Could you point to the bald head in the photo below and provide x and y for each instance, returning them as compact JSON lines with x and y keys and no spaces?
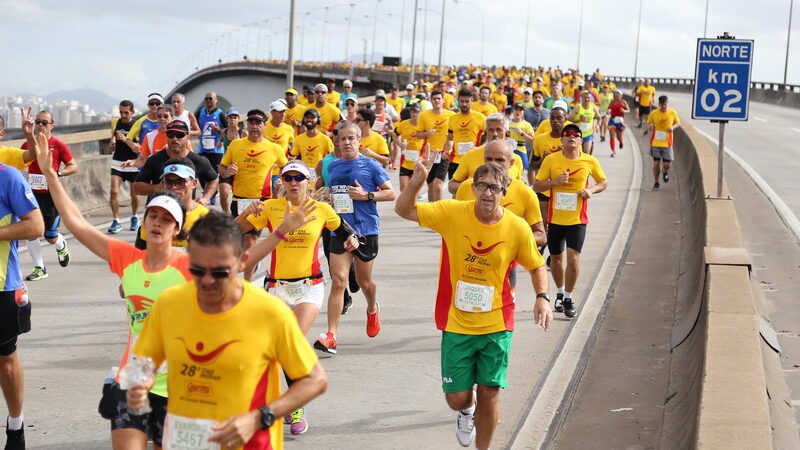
{"x":500,"y":152}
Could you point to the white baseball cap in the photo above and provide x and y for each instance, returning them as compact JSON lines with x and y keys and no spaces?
{"x":347,"y":83}
{"x":409,"y":87}
{"x":527,"y":90}
{"x":170,"y":205}
{"x":278,"y":105}
{"x":321,"y":87}
{"x":560,"y":104}
{"x":297,"y":166}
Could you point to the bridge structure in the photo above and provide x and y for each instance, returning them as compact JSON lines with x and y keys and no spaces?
{"x":688,"y":325}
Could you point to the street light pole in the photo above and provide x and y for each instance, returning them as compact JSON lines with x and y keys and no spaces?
{"x":290,"y":58}
{"x":705,"y":26}
{"x":527,"y":27}
{"x":788,"y":40}
{"x":374,"y":30}
{"x":580,"y":32}
{"x":441,"y":37}
{"x":324,"y":28}
{"x":413,"y":43}
{"x":402,"y":27}
{"x":349,"y":24}
{"x":424,"y":35}
{"x":638,"y":31}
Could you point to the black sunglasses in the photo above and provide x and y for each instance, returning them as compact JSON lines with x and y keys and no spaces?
{"x":42,"y":122}
{"x":209,"y":98}
{"x":299,"y":178}
{"x":177,"y":182}
{"x":217,"y":273}
{"x":154,"y":103}
{"x":175,"y":135}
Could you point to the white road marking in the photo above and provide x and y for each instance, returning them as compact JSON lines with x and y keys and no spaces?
{"x":760,"y":119}
{"x":554,"y":388}
{"x":786,"y":214}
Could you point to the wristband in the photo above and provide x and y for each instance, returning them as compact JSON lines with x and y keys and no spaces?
{"x":280,"y":235}
{"x":544,"y":296}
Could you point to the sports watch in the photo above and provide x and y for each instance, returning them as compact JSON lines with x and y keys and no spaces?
{"x":544,"y":296}
{"x":370,"y":196}
{"x":267,"y":418}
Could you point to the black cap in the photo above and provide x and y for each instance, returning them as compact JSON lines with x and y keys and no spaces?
{"x":178,"y":126}
{"x":519,"y":105}
{"x":414,"y":106}
{"x":257,"y":114}
{"x":313,"y":112}
{"x":571,"y":126}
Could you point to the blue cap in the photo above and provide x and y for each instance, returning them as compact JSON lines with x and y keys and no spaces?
{"x":179,"y":170}
{"x":232,"y":112}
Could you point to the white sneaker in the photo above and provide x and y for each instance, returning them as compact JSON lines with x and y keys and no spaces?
{"x":465,"y":428}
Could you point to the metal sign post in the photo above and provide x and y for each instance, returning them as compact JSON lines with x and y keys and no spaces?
{"x":722,"y":85}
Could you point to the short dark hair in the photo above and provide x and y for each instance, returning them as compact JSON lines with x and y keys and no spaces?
{"x":127,"y":104}
{"x":494,"y":170}
{"x":662,"y":99}
{"x":464,"y":93}
{"x":437,"y":92}
{"x":217,"y":228}
{"x":368,"y":115}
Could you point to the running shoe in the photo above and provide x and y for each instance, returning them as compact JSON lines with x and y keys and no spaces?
{"x":645,"y":133}
{"x":348,"y":302}
{"x":299,"y":423}
{"x":39,"y":273}
{"x":613,"y":154}
{"x":287,"y":419}
{"x":621,"y":144}
{"x":134,"y":223}
{"x":374,"y":323}
{"x":15,"y":439}
{"x":326,"y":343}
{"x":666,"y":176}
{"x":656,"y":186}
{"x":602,"y":138}
{"x":63,"y":255}
{"x":569,"y":308}
{"x":558,"y":306}
{"x":115,"y":227}
{"x":465,"y":429}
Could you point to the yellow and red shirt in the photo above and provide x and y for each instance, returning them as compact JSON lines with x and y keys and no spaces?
{"x":519,"y":199}
{"x":566,"y":207}
{"x":376,"y":143}
{"x":466,"y":130}
{"x":487,"y":109}
{"x":311,"y":150}
{"x":475,"y":158}
{"x":329,"y":115}
{"x":255,"y":161}
{"x":408,"y":131}
{"x":646,"y":94}
{"x":429,"y":120}
{"x":663,"y":122}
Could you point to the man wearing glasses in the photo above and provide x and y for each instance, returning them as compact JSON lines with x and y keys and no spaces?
{"x":565,"y":175}
{"x":328,"y":113}
{"x":475,"y":307}
{"x":61,"y":156}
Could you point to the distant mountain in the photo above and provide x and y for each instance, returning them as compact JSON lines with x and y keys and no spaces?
{"x":99,"y":101}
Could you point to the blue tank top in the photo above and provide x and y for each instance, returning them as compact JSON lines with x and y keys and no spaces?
{"x":209,"y":139}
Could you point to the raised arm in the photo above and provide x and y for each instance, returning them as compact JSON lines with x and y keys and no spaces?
{"x":293,"y":220}
{"x":406,"y":205}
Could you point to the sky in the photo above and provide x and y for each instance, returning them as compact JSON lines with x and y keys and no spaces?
{"x":128,"y":49}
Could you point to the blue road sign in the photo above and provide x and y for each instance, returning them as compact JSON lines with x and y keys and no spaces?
{"x":722,"y":79}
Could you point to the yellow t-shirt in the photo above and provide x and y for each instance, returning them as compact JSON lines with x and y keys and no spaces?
{"x":188,"y":222}
{"x":475,"y":263}
{"x":429,"y":120}
{"x":500,"y":100}
{"x":525,"y":127}
{"x":520,"y":199}
{"x":545,"y":128}
{"x":544,"y":144}
{"x":397,"y":103}
{"x":282,"y":135}
{"x":475,"y":158}
{"x":662,"y":121}
{"x":449,"y":100}
{"x":466,"y":130}
{"x":565,"y":206}
{"x":13,"y":157}
{"x":646,"y":94}
{"x":376,"y":143}
{"x":294,"y":115}
{"x":487,"y":109}
{"x":225,"y":364}
{"x":297,"y":257}
{"x":408,"y":131}
{"x":305,"y":101}
{"x":329,"y":115}
{"x":311,"y":150}
{"x":255,"y":160}
{"x":334,"y":98}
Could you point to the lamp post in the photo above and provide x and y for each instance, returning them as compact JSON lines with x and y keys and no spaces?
{"x":374,"y":30}
{"x":638,"y":31}
{"x":290,"y":57}
{"x":441,"y":38}
{"x":580,"y":32}
{"x":527,"y":27}
{"x":413,"y":43}
{"x":788,"y":41}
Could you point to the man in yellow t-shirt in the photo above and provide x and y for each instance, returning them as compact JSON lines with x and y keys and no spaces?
{"x":373,"y":144}
{"x":645,"y":92}
{"x":662,"y":122}
{"x":397,"y":102}
{"x":483,"y":105}
{"x":312,"y":146}
{"x":474,"y":303}
{"x":226,"y":342}
{"x":278,"y":132}
{"x":464,"y":132}
{"x":294,"y":110}
{"x":434,"y":123}
{"x":333,"y":97}
{"x":565,"y":175}
{"x":409,"y":143}
{"x":17,"y":157}
{"x":328,"y":113}
{"x":308,"y":97}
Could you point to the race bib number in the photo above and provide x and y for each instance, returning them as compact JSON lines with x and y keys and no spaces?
{"x":209,"y":143}
{"x":464,"y":147}
{"x":183,"y":433}
{"x":378,"y":126}
{"x":474,"y":297}
{"x":566,"y":201}
{"x":245,"y":202}
{"x":342,"y":203}
{"x":291,"y":292}
{"x":411,"y":155}
{"x":438,"y":158}
{"x":585,"y":126}
{"x":37,"y":181}
{"x":659,"y":136}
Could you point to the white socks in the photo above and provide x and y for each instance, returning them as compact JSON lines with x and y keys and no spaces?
{"x":35,"y":249}
{"x":567,"y":294}
{"x":469,"y":411}
{"x":15,"y":423}
{"x":60,"y":242}
{"x":560,"y":290}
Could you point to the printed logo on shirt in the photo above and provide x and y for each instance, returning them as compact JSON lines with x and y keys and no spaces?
{"x":253,"y":153}
{"x":482,"y":251}
{"x":209,"y":357}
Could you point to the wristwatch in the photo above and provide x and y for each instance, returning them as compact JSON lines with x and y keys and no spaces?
{"x":544,"y":296}
{"x":267,"y":418}
{"x":370,"y":196}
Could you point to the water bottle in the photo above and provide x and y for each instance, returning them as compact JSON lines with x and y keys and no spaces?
{"x":136,"y":373}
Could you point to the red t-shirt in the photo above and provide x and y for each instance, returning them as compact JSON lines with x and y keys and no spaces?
{"x":61,"y":154}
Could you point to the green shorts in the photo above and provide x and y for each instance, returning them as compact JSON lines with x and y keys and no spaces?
{"x":474,"y":359}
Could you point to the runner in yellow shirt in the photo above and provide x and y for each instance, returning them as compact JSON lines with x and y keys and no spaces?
{"x":225,"y":341}
{"x":394,"y":99}
{"x":294,"y":110}
{"x":373,"y":144}
{"x":278,"y":132}
{"x":662,"y":122}
{"x":565,"y":175}
{"x":333,"y":97}
{"x":483,"y":105}
{"x":645,"y":92}
{"x":434,"y":124}
{"x":312,"y":146}
{"x":475,"y":304}
{"x":464,"y":132}
{"x":409,"y":144}
{"x":328,"y":113}
{"x":17,"y":157}
{"x":308,"y":97}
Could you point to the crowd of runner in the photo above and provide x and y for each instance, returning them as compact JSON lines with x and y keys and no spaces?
{"x":514,"y":147}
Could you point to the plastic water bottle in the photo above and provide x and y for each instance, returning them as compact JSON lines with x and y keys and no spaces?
{"x":136,"y":373}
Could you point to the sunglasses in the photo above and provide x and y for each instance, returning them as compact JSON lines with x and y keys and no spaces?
{"x":209,"y":98}
{"x":288,"y":178}
{"x":42,"y":122}
{"x":482,"y":186}
{"x":217,"y":273}
{"x":320,"y":92}
{"x":176,"y":182}
{"x":571,"y":134}
{"x":175,"y":135}
{"x":163,"y":116}
{"x":154,"y":103}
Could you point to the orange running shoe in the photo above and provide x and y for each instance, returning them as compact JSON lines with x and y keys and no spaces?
{"x":374,"y":323}
{"x":326,"y":343}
